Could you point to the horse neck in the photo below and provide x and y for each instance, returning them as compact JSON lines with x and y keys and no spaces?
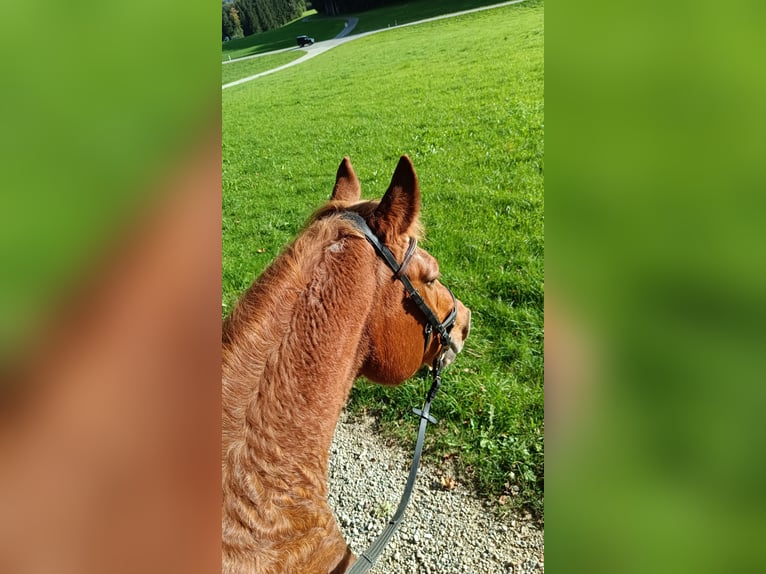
{"x":292,"y":348}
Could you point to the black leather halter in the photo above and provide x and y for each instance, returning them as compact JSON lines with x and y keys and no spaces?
{"x":442,"y":328}
{"x":367,"y":558}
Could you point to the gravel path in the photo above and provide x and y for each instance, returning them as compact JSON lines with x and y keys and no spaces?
{"x":443,"y":531}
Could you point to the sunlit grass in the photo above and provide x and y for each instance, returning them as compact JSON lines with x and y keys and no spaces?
{"x":404,"y":12}
{"x":252,"y":66}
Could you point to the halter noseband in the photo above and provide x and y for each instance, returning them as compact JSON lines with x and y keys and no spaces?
{"x":442,"y":328}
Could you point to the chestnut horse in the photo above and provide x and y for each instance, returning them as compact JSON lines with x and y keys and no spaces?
{"x":325,"y":312}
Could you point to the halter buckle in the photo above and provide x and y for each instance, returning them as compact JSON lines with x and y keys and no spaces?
{"x":429,"y":330}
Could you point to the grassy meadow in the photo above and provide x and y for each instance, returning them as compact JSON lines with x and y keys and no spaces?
{"x":314,"y":25}
{"x":322,"y":27}
{"x":252,"y":66}
{"x":464,"y":98}
{"x":404,"y":12}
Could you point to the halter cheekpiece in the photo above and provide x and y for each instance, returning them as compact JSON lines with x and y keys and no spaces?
{"x":442,"y":328}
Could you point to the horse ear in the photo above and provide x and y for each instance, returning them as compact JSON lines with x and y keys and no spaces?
{"x":347,"y":186}
{"x":399,"y":209}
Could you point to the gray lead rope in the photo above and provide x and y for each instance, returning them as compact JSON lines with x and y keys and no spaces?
{"x":365,"y":561}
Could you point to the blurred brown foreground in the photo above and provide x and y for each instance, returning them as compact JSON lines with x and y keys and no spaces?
{"x":110,"y":422}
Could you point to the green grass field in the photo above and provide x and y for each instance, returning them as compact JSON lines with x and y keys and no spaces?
{"x":324,"y":28}
{"x":411,"y":12}
{"x":463,"y":98}
{"x":252,"y":66}
{"x":318,"y":27}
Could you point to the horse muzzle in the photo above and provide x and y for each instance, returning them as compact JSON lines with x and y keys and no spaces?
{"x":458,"y":335}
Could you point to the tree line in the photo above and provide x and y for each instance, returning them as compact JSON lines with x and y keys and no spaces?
{"x":335,"y":7}
{"x":244,"y":17}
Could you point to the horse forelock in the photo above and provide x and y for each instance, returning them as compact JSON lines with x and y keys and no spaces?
{"x":365,"y":208}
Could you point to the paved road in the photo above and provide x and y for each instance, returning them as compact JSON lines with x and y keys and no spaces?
{"x":350,"y":25}
{"x":343,"y":37}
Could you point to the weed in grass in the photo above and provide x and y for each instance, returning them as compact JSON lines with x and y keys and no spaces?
{"x":464,"y":98}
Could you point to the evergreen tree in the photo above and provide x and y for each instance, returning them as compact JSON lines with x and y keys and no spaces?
{"x":227,"y":29}
{"x":253,"y":16}
{"x":335,"y":7}
{"x":237,"y":25}
{"x":247,"y":17}
{"x":265,"y":11}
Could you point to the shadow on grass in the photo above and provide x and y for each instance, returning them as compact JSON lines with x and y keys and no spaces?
{"x":318,"y":27}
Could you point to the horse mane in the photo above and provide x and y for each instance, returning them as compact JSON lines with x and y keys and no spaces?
{"x":264,"y":299}
{"x":261,"y":317}
{"x":255,"y":336}
{"x":364,"y":208}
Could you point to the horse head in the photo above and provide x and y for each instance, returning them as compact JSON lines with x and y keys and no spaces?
{"x":352,"y":295}
{"x":397,"y":331}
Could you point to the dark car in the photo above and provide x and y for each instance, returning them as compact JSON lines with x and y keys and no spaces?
{"x":304,"y":41}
